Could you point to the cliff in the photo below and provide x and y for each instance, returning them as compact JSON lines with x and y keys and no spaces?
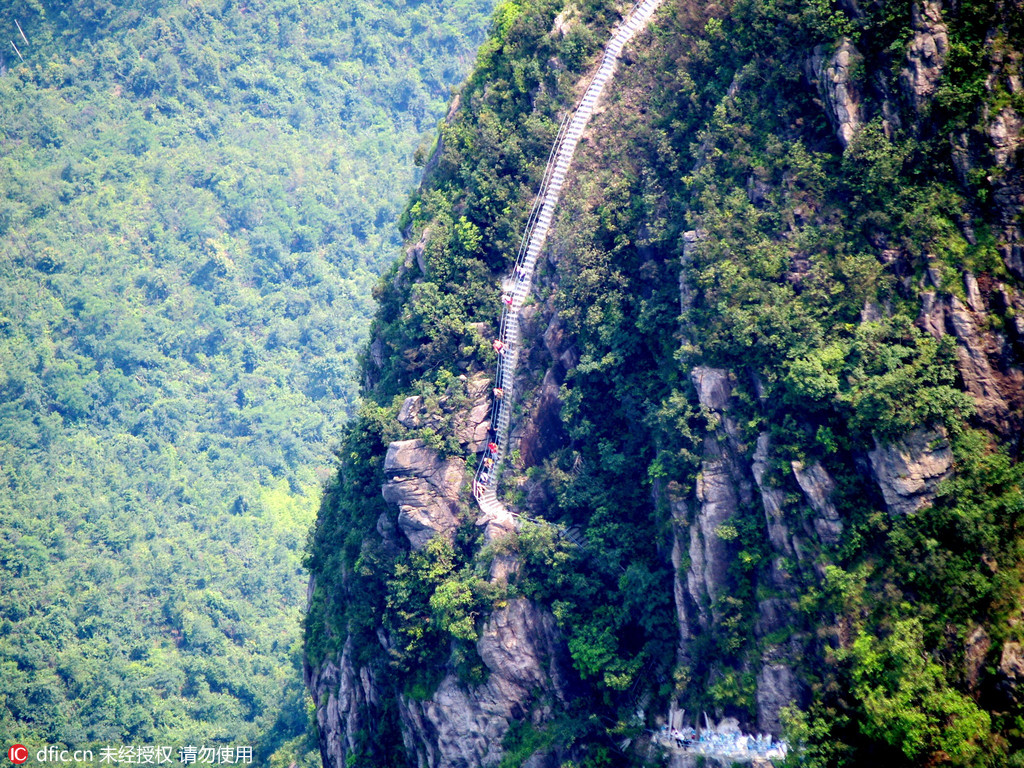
{"x":765,"y":446}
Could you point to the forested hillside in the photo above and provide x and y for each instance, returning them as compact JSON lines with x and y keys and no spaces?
{"x":195,"y":202}
{"x":770,"y":404}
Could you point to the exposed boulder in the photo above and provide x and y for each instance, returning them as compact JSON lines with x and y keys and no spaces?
{"x":818,"y":487}
{"x":926,"y":55}
{"x":909,"y":470}
{"x":974,"y":300}
{"x":837,"y":83}
{"x":409,"y":413}
{"x":464,"y":726}
{"x":713,"y":387}
{"x":416,"y":254}
{"x":933,"y":314}
{"x":1011,"y":673}
{"x":424,"y":487}
{"x":565,"y":21}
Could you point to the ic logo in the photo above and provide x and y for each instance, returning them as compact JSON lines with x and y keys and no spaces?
{"x":18,"y":754}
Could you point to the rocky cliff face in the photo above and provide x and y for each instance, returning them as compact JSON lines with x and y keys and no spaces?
{"x":524,"y":653}
{"x":527,"y":670}
{"x":529,"y":677}
{"x":729,"y":480}
{"x":727,"y":502}
{"x":347,"y":699}
{"x":840,"y":87}
{"x":906,"y":471}
{"x":925,"y":56}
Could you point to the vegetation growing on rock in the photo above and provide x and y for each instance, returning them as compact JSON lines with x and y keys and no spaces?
{"x":754,"y":316}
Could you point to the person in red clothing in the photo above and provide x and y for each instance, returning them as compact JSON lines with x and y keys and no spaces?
{"x":498,"y":393}
{"x":499,"y":347}
{"x":492,"y":447}
{"x":507,"y":298}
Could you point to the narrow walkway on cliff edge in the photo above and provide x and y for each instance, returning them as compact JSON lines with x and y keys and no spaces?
{"x":516,"y":288}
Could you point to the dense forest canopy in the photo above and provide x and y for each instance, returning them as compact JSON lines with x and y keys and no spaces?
{"x":195,"y":200}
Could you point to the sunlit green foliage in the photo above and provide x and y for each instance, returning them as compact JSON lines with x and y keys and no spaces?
{"x":907,"y":701}
{"x":195,"y":200}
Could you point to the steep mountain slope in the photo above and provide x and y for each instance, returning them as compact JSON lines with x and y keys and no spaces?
{"x":195,"y":202}
{"x":772,"y":376}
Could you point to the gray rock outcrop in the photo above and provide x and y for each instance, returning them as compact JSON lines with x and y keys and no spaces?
{"x":777,"y":688}
{"x":680,"y":537}
{"x":423,"y":486}
{"x":839,"y":88}
{"x":1005,"y":148}
{"x":409,"y":413}
{"x":818,"y":487}
{"x":980,"y":377}
{"x":722,"y":486}
{"x":771,"y":500}
{"x":344,"y":696}
{"x":926,"y":55}
{"x":1004,"y":136}
{"x":468,"y":422}
{"x":425,"y":489}
{"x":985,"y":359}
{"x":909,"y":470}
{"x":731,"y":478}
{"x":1010,"y":681}
{"x":976,"y":648}
{"x":464,"y":725}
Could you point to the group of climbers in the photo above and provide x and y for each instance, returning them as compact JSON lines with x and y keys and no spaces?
{"x":492,"y":449}
{"x":487,"y":464}
{"x":500,"y":347}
